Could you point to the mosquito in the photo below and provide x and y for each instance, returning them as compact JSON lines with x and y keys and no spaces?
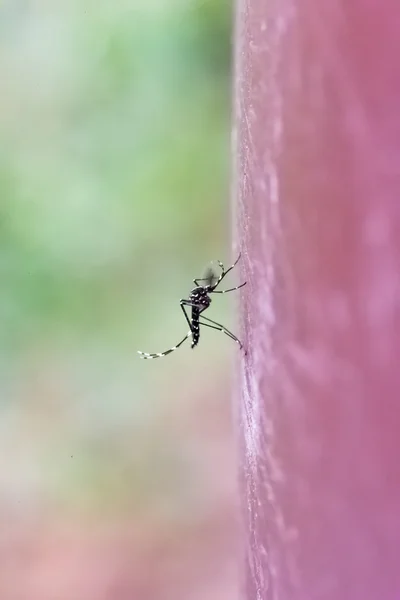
{"x":199,"y":300}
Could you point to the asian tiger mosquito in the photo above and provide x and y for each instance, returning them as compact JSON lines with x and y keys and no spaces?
{"x":199,"y":300}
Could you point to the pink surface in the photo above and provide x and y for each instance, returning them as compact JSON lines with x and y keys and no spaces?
{"x":318,"y":214}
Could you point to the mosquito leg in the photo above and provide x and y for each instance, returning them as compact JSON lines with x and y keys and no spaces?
{"x":184,"y":303}
{"x":230,"y":289}
{"x":196,"y":281}
{"x":234,"y":264}
{"x":220,"y":327}
{"x":224,"y":273}
{"x":146,"y":355}
{"x":232,"y":337}
{"x":188,"y":303}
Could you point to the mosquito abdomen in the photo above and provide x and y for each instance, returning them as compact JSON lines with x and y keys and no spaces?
{"x":195,"y":326}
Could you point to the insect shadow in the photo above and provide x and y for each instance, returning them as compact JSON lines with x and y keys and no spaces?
{"x":199,"y":300}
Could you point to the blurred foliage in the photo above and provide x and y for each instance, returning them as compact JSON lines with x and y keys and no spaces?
{"x":114,"y":157}
{"x":113,"y":162}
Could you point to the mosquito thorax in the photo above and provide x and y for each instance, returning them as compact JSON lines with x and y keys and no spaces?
{"x":200,"y":295}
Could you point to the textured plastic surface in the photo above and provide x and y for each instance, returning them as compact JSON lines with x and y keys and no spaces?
{"x":318,"y":214}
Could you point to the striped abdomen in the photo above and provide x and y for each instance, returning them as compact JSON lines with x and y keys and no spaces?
{"x":195,"y":326}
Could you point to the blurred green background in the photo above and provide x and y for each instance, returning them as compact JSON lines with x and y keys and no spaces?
{"x":117,"y":477}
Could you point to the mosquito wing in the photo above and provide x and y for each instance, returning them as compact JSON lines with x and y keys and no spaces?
{"x":210,"y":276}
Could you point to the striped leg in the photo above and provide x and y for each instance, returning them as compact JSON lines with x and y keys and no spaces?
{"x":224,"y":273}
{"x":220,"y":327}
{"x":184,"y":303}
{"x":230,"y":289}
{"x":146,"y":355}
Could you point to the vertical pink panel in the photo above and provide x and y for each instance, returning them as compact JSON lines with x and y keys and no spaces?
{"x":318,"y":222}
